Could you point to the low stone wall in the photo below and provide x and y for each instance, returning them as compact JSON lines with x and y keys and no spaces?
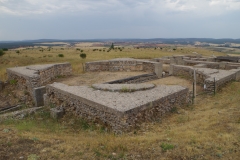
{"x":162,"y":60}
{"x":124,"y":64}
{"x":187,"y":72}
{"x":205,"y":76}
{"x":122,"y":111}
{"x":213,"y":65}
{"x":29,"y":77}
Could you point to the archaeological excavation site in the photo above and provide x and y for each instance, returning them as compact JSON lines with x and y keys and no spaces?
{"x":126,"y":102}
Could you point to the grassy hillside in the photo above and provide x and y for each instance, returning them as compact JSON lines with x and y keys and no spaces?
{"x":208,"y":130}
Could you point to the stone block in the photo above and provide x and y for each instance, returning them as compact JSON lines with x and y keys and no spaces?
{"x":158,"y":69}
{"x":179,"y":60}
{"x":57,"y":112}
{"x":38,"y":96}
{"x":172,"y":60}
{"x":46,"y":100}
{"x":237,"y":76}
{"x":1,"y":85}
{"x":171,"y":70}
{"x":222,"y":65}
{"x":200,"y":66}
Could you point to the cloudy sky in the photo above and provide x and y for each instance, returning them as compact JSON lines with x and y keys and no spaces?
{"x":89,"y":19}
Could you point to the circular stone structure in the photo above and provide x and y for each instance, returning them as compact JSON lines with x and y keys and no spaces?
{"x":123,"y":87}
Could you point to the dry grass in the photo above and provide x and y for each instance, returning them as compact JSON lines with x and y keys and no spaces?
{"x":37,"y":56}
{"x":208,"y":130}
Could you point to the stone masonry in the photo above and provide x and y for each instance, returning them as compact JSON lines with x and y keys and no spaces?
{"x":206,"y":75}
{"x":125,"y":64}
{"x":29,"y":77}
{"x":117,"y":110}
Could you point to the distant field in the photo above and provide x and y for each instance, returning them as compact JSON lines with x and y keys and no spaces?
{"x":31,"y":56}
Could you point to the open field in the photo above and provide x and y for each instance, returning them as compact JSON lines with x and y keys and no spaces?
{"x":50,"y":55}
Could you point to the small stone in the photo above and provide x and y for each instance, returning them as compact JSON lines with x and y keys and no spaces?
{"x":114,"y":154}
{"x":21,"y":157}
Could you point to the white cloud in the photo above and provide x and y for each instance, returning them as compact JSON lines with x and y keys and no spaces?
{"x":226,"y":4}
{"x":28,"y":7}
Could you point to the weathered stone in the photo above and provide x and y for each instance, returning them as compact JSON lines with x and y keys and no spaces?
{"x":38,"y":96}
{"x":120,"y":111}
{"x":57,"y":112}
{"x":206,"y":75}
{"x":30,"y":77}
{"x":158,"y":69}
{"x":1,"y":85}
{"x":200,"y":66}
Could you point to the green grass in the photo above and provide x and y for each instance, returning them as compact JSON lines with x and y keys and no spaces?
{"x":167,"y":146}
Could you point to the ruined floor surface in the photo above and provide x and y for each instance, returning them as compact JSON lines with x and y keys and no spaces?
{"x":118,"y":100}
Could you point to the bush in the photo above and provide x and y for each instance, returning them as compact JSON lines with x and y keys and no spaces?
{"x":166,"y":146}
{"x":1,"y":52}
{"x":13,"y":81}
{"x":83,"y":55}
{"x":5,"y":49}
{"x":60,"y":55}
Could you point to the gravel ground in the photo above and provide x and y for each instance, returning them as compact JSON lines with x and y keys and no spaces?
{"x":120,"y":101}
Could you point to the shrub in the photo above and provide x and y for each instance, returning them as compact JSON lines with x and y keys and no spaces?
{"x":17,"y":52}
{"x":5,"y":49}
{"x":166,"y":146}
{"x":1,"y":52}
{"x":60,"y":55}
{"x":13,"y":81}
{"x":83,"y":55}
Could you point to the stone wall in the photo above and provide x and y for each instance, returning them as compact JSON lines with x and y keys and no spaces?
{"x":187,"y":72}
{"x":213,"y":65}
{"x":113,"y":118}
{"x":125,"y":64}
{"x":29,"y":77}
{"x":206,"y":76}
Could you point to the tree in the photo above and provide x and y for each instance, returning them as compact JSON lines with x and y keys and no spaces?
{"x":1,"y":52}
{"x":112,"y":46}
{"x":83,"y":56}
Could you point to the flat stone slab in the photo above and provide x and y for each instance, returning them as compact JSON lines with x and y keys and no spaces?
{"x":123,"y":87}
{"x":119,"y":101}
{"x":32,"y":70}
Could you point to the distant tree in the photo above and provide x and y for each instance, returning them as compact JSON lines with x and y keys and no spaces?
{"x":112,"y":46}
{"x":60,"y":55}
{"x":83,"y":56}
{"x":5,"y":49}
{"x":18,"y":52}
{"x":1,"y":52}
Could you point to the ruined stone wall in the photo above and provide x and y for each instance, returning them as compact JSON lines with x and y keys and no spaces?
{"x":163,"y":60}
{"x":118,"y":121}
{"x":218,"y":83}
{"x":120,"y":65}
{"x":187,"y":72}
{"x":39,"y":78}
{"x":213,"y":65}
{"x":46,"y":75}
